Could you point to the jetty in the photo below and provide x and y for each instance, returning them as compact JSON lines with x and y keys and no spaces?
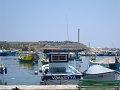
{"x":38,"y":87}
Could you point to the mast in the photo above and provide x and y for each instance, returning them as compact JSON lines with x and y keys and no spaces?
{"x":67,"y":28}
{"x":78,"y":35}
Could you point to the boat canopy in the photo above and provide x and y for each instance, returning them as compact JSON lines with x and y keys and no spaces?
{"x":98,"y":69}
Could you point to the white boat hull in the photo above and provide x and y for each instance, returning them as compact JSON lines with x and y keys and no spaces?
{"x":61,"y":82}
{"x":103,"y":76}
{"x":60,"y":79}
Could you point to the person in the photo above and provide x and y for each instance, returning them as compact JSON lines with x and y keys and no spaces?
{"x":16,"y":88}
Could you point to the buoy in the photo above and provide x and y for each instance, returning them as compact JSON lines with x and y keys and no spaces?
{"x":1,"y":70}
{"x":40,"y":70}
{"x":5,"y":70}
{"x":36,"y":73}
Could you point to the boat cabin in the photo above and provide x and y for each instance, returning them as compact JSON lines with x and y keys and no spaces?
{"x":58,"y":63}
{"x":58,"y":71}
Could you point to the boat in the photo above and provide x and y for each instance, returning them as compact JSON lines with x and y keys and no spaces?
{"x":74,"y":56}
{"x":29,"y":58}
{"x":44,"y":59}
{"x":7,"y":53}
{"x":98,"y":72}
{"x":58,"y":71}
{"x":71,"y":56}
{"x":93,"y":59}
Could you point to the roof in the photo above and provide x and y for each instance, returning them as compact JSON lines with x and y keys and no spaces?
{"x":107,"y":61}
{"x":60,"y":53}
{"x":98,"y":69}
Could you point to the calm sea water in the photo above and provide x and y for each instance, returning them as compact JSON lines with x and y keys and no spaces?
{"x":23,"y":73}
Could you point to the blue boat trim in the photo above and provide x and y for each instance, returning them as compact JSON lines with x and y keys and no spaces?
{"x":62,"y":77}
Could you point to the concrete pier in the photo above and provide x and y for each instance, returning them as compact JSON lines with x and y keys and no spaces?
{"x":38,"y":87}
{"x":52,"y":87}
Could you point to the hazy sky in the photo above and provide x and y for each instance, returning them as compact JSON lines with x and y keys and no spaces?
{"x":39,"y":20}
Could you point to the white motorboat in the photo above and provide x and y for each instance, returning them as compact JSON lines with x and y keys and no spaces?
{"x":58,"y":71}
{"x":98,"y":72}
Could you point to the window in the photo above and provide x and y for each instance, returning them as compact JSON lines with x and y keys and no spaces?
{"x":58,"y":70}
{"x":55,"y":58}
{"x":59,"y":58}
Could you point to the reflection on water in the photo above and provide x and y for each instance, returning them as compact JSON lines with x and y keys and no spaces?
{"x":28,"y":66}
{"x":20,"y":73}
{"x":2,"y":82}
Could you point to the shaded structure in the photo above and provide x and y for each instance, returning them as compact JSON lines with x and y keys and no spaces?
{"x":62,"y":50}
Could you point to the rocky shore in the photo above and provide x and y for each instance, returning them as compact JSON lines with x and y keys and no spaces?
{"x":40,"y":45}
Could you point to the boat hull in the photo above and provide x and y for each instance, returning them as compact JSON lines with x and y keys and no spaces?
{"x":61,"y":82}
{"x":28,"y":61}
{"x":7,"y":53}
{"x":60,"y":79}
{"x":29,"y":58}
{"x":102,"y":76}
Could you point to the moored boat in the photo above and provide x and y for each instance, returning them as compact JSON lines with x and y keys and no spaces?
{"x":44,"y":59}
{"x":29,"y":58}
{"x":7,"y":53}
{"x":58,"y":71}
{"x":98,"y":72}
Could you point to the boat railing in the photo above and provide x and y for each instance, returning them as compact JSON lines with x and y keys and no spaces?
{"x":98,"y":83}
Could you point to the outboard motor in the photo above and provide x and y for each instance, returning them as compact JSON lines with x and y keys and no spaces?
{"x":1,"y":70}
{"x":5,"y":70}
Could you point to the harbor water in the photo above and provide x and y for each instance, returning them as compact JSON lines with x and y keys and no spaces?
{"x":23,"y":73}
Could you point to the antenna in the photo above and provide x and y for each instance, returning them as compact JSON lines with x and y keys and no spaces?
{"x":78,"y":35}
{"x":89,"y":44}
{"x":67,"y":28}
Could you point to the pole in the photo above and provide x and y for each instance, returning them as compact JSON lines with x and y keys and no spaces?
{"x":78,"y":35}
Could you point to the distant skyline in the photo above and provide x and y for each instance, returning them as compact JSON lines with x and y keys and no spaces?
{"x":59,"y":20}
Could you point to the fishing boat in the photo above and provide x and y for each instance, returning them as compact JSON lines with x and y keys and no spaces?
{"x":29,"y":58}
{"x":58,"y":71}
{"x":7,"y":53}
